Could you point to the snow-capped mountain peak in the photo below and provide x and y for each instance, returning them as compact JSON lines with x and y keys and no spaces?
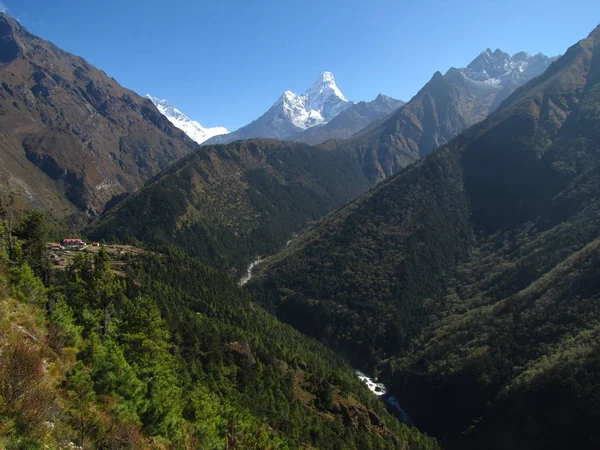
{"x":292,"y":113}
{"x":326,"y":77}
{"x":498,"y":67}
{"x":321,"y":102}
{"x":489,"y":65}
{"x":163,"y":103}
{"x":325,"y":84}
{"x":190,"y":127}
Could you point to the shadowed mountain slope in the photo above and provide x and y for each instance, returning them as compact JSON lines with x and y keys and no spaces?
{"x":447,"y":105}
{"x":469,"y":280}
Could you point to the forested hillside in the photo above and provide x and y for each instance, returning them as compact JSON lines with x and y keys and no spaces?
{"x":469,"y":281}
{"x":159,"y":351}
{"x":226,"y":205}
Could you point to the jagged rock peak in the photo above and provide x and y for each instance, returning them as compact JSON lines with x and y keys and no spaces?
{"x":498,"y":66}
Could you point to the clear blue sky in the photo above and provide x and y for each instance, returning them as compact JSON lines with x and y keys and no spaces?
{"x":224,"y":62}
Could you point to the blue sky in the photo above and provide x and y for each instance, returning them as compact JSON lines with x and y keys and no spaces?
{"x":225,"y":62}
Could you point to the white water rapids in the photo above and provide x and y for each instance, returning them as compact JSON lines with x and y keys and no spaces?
{"x":248,"y":275}
{"x":376,"y":388}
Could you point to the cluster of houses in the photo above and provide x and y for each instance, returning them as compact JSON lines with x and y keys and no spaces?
{"x":71,"y":243}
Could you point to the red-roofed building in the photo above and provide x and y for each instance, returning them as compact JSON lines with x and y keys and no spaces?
{"x":74,"y":242}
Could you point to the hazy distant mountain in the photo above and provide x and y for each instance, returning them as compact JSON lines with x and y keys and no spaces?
{"x":445,"y":106}
{"x":350,"y":121}
{"x":190,"y":127}
{"x":293,"y":113}
{"x":71,"y":137}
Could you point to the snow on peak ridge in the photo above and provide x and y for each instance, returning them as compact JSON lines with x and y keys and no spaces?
{"x":164,"y":103}
{"x":321,"y":102}
{"x":327,"y":77}
{"x":190,"y":127}
{"x":325,"y":83}
{"x":498,"y":66}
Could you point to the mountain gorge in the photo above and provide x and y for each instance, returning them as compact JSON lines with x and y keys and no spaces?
{"x":468,"y":282}
{"x":119,"y":347}
{"x":448,"y":247}
{"x":73,"y":138}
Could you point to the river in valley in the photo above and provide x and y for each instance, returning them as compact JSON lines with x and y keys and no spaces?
{"x":248,"y":275}
{"x":375,"y":387}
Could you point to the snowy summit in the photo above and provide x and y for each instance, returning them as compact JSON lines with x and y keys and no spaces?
{"x":318,"y":105}
{"x":293,"y":113}
{"x":190,"y":127}
{"x":499,"y":67}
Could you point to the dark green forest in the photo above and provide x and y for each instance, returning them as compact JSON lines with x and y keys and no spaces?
{"x":227,"y":205}
{"x":469,"y":282}
{"x":165,"y":353}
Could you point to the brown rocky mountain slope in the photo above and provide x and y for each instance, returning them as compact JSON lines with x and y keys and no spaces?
{"x":72,"y":138}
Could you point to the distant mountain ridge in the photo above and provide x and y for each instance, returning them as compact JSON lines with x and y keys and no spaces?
{"x":350,"y":121}
{"x":497,"y":67}
{"x":445,"y":106}
{"x":292,"y":113}
{"x":193,"y":129}
{"x":259,"y":190}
